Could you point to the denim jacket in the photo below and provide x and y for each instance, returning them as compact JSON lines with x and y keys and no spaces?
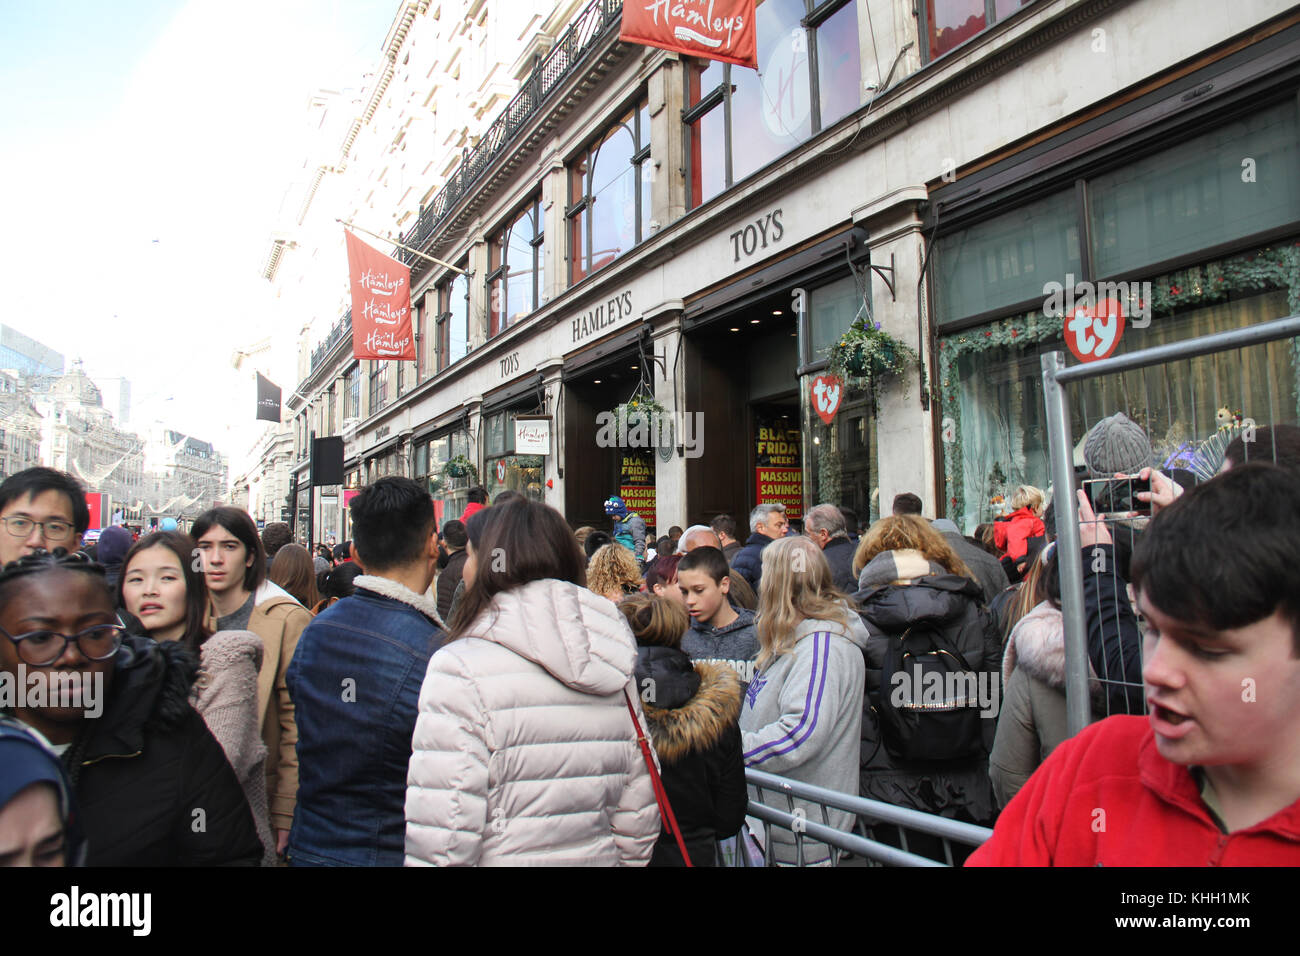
{"x":355,"y":683}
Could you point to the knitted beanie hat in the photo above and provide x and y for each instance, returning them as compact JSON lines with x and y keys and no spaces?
{"x":1116,"y":445}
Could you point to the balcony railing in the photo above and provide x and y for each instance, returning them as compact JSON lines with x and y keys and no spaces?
{"x":584,"y":34}
{"x":343,"y":327}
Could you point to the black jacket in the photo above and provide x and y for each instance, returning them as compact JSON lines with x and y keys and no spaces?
{"x":961,"y":789}
{"x":448,"y":578}
{"x":693,"y":715}
{"x":839,"y":555}
{"x":154,"y":785}
{"x":1114,"y":641}
{"x":749,"y":559}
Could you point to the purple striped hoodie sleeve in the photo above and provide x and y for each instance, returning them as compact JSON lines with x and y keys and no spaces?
{"x":801,"y":731}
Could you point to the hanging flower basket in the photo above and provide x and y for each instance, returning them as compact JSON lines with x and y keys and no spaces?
{"x":866,"y":354}
{"x":638,"y":413}
{"x":461,"y":467}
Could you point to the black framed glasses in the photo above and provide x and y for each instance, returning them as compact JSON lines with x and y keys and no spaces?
{"x":54,"y":529}
{"x":43,"y":648}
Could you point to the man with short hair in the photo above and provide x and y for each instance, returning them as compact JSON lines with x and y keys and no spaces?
{"x":724,"y":526}
{"x":698,"y":536}
{"x":342,"y":553}
{"x":825,"y":525}
{"x":41,"y":508}
{"x":356,"y":683}
{"x":767,"y":522}
{"x":1211,"y":776}
{"x":907,"y":504}
{"x":274,"y":537}
{"x":454,"y":540}
{"x":477,"y":498}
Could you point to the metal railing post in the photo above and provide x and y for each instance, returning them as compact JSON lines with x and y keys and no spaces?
{"x":1068,"y":548}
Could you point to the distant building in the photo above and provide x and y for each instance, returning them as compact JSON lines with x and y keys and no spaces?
{"x":26,"y":355}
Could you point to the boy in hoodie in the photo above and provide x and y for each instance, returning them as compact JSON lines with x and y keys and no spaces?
{"x":234,"y":566}
{"x":719,"y":633}
{"x":1211,"y":776}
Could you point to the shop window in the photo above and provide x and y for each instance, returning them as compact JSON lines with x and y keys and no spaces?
{"x":947,"y":24}
{"x":453,"y":319}
{"x":990,"y":380}
{"x":516,"y":279}
{"x":504,"y":469}
{"x":738,"y":121}
{"x":380,"y":378}
{"x":1008,"y":259}
{"x":352,"y":392}
{"x":841,"y":466}
{"x":831,"y":310}
{"x":1234,"y":182}
{"x":609,"y":197}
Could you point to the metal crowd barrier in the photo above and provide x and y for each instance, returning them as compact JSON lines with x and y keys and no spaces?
{"x":1056,"y":376}
{"x":868,"y":813}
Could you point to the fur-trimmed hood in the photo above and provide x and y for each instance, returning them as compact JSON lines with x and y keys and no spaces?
{"x":385,"y":587}
{"x":700,"y":722}
{"x":1037,"y":645}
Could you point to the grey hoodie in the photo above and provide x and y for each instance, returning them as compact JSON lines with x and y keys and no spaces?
{"x":735,"y":645}
{"x":802,"y":719}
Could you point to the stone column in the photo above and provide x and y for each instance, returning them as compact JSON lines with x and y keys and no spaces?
{"x":665,"y":322}
{"x":667,"y":90}
{"x":904,"y":427}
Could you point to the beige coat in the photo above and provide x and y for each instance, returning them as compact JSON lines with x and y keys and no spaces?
{"x":524,"y":752}
{"x":279,"y":621}
{"x":225,"y":695}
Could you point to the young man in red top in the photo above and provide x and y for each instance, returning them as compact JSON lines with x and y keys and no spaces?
{"x":1212,"y":775}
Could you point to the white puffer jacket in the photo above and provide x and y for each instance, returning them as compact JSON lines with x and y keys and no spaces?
{"x":524,"y":752}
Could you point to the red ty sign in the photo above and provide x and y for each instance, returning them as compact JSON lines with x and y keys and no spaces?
{"x":827,"y":392}
{"x":1094,"y":333}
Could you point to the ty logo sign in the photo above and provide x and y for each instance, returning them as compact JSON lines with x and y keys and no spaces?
{"x":1094,"y":333}
{"x":827,"y":391}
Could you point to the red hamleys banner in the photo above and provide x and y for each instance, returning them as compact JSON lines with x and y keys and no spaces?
{"x":381,"y":304}
{"x":713,"y":29}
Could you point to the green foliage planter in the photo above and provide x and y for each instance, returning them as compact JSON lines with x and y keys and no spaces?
{"x":866,"y":354}
{"x":638,"y":413}
{"x":461,"y":467}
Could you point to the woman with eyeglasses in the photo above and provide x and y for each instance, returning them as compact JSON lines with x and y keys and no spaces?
{"x":162,"y":588}
{"x":154,"y":787}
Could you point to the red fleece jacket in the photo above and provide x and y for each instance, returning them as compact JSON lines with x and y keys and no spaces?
{"x":1011,"y":534}
{"x":1107,"y":797}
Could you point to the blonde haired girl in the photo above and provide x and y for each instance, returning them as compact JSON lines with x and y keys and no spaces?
{"x":802,"y":716}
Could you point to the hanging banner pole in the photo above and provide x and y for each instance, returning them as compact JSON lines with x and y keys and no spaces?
{"x":417,"y":252}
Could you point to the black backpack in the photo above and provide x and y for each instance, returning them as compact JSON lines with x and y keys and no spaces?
{"x":929,"y":699}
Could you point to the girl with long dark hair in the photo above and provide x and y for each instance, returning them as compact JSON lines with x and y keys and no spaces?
{"x":161,"y":587}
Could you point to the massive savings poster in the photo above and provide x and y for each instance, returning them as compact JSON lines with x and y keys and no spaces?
{"x":636,"y":482}
{"x":778,"y":460}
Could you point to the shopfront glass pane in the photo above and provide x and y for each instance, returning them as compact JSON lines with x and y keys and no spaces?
{"x":995,"y":434}
{"x":706,"y":138}
{"x":521,"y":473}
{"x":458,"y":324}
{"x":613,"y":197}
{"x":952,"y":22}
{"x":495,"y":427}
{"x":831,"y":310}
{"x":771,"y":114}
{"x":839,"y":65}
{"x":1239,"y":180}
{"x":519,"y":272}
{"x":1004,"y":8}
{"x":841,"y":464}
{"x":1008,"y":259}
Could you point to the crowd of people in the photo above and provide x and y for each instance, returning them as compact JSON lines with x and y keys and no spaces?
{"x":504,"y":689}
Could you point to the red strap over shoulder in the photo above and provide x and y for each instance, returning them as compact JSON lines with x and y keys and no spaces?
{"x":661,"y":795}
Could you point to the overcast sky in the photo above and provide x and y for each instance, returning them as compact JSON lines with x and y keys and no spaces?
{"x":146,"y":148}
